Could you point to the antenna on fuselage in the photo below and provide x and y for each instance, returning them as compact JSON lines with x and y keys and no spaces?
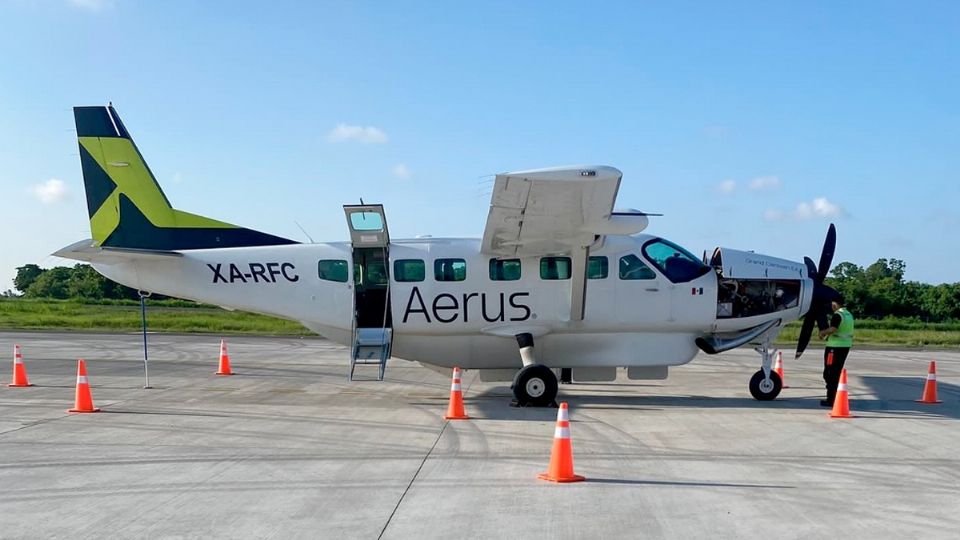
{"x":305,"y":233}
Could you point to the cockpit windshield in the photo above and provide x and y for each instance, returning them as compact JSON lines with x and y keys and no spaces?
{"x":678,"y":264}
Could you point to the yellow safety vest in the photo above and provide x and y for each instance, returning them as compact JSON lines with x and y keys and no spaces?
{"x":843,"y":337}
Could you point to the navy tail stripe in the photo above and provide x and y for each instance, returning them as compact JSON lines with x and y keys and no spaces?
{"x":98,"y":121}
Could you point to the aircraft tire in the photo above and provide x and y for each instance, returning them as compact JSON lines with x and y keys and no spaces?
{"x":765,"y":392}
{"x":535,"y":385}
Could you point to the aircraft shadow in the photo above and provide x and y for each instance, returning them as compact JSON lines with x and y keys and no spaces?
{"x":899,"y":395}
{"x":893,"y":395}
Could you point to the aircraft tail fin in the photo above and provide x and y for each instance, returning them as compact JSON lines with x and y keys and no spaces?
{"x":127,"y":207}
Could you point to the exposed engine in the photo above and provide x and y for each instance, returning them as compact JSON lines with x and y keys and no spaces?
{"x":749,"y":297}
{"x":752,"y":284}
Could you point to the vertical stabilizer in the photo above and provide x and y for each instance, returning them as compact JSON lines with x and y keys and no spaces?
{"x":128,"y":208}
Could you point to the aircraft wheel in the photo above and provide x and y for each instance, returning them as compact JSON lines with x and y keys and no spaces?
{"x":535,"y":385}
{"x":764,"y":390}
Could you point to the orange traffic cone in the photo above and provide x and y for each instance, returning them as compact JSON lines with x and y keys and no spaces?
{"x":561,"y":458}
{"x":224,"y":360}
{"x":84,"y":401}
{"x":455,"y":409}
{"x":930,"y":388}
{"x":841,"y":403}
{"x":19,"y":370}
{"x":778,"y":367}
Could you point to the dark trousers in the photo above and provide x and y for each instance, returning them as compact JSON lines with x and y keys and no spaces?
{"x":831,"y":372}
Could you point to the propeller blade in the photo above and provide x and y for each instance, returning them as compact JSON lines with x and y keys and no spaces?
{"x":811,"y":268}
{"x":805,"y":332}
{"x":826,"y":256}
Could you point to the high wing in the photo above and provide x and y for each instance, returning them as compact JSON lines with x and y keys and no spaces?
{"x":557,"y":211}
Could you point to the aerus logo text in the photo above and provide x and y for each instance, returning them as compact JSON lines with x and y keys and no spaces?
{"x":254,"y":272}
{"x":448,"y":308}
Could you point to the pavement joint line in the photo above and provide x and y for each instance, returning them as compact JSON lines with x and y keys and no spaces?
{"x":422,"y":463}
{"x":413,"y":479}
{"x":32,"y":424}
{"x":68,"y":415}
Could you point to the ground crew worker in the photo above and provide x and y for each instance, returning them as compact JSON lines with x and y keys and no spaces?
{"x":839,"y":336}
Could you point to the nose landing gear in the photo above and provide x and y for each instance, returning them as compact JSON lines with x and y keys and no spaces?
{"x":765,"y":385}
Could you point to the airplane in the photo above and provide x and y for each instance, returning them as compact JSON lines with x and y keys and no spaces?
{"x":559,"y":282}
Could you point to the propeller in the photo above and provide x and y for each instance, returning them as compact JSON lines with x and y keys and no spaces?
{"x":822,"y":294}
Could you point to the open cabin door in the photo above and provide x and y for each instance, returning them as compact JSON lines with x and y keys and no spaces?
{"x":372,"y":324}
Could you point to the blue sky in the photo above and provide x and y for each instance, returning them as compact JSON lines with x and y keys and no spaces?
{"x":750,"y":125}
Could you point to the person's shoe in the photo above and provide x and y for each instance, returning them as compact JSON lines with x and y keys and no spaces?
{"x":825,"y":403}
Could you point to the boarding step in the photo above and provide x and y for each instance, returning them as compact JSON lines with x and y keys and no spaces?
{"x":371,"y":347}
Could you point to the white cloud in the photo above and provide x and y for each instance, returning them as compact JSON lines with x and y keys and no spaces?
{"x":772,"y":214}
{"x":52,"y":191}
{"x":401,"y":171}
{"x":177,"y":178}
{"x":765,"y":183}
{"x":361,"y":134}
{"x":727,"y":186}
{"x":820,"y":207}
{"x":91,"y":5}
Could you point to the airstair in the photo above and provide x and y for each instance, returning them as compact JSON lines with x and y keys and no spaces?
{"x":372,"y":321}
{"x":371,"y":347}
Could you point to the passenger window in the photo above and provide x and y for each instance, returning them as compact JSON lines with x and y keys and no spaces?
{"x":598,"y":268}
{"x":409,"y":270}
{"x":631,"y":267}
{"x":555,"y":268}
{"x":333,"y":270}
{"x":376,"y":274}
{"x":450,"y":269}
{"x":504,"y":269}
{"x":678,"y":264}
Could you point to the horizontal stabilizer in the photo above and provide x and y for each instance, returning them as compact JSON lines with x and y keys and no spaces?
{"x":87,"y":251}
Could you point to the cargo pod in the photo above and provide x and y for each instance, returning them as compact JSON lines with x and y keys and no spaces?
{"x":751,"y":284}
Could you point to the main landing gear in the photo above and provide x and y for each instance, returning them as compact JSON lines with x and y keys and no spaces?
{"x":765,"y":384}
{"x":535,"y":385}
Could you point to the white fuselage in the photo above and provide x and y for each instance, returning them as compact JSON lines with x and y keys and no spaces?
{"x":469,"y":323}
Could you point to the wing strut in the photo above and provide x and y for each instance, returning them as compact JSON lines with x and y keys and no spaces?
{"x":578,"y":288}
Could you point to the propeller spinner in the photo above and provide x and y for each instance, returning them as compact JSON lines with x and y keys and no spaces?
{"x":822,"y":294}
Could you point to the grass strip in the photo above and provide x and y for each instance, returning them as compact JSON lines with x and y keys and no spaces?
{"x":125,"y":317}
{"x":182,"y":316}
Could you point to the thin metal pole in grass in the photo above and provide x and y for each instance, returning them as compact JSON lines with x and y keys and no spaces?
{"x":143,"y":319}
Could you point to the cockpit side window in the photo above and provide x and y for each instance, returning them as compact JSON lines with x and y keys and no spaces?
{"x":678,"y":264}
{"x":631,"y":267}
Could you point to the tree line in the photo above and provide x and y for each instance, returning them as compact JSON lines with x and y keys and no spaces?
{"x":879,"y":291}
{"x":875,"y":292}
{"x":81,"y":282}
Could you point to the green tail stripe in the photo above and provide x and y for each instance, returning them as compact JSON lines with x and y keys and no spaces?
{"x":136,"y":231}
